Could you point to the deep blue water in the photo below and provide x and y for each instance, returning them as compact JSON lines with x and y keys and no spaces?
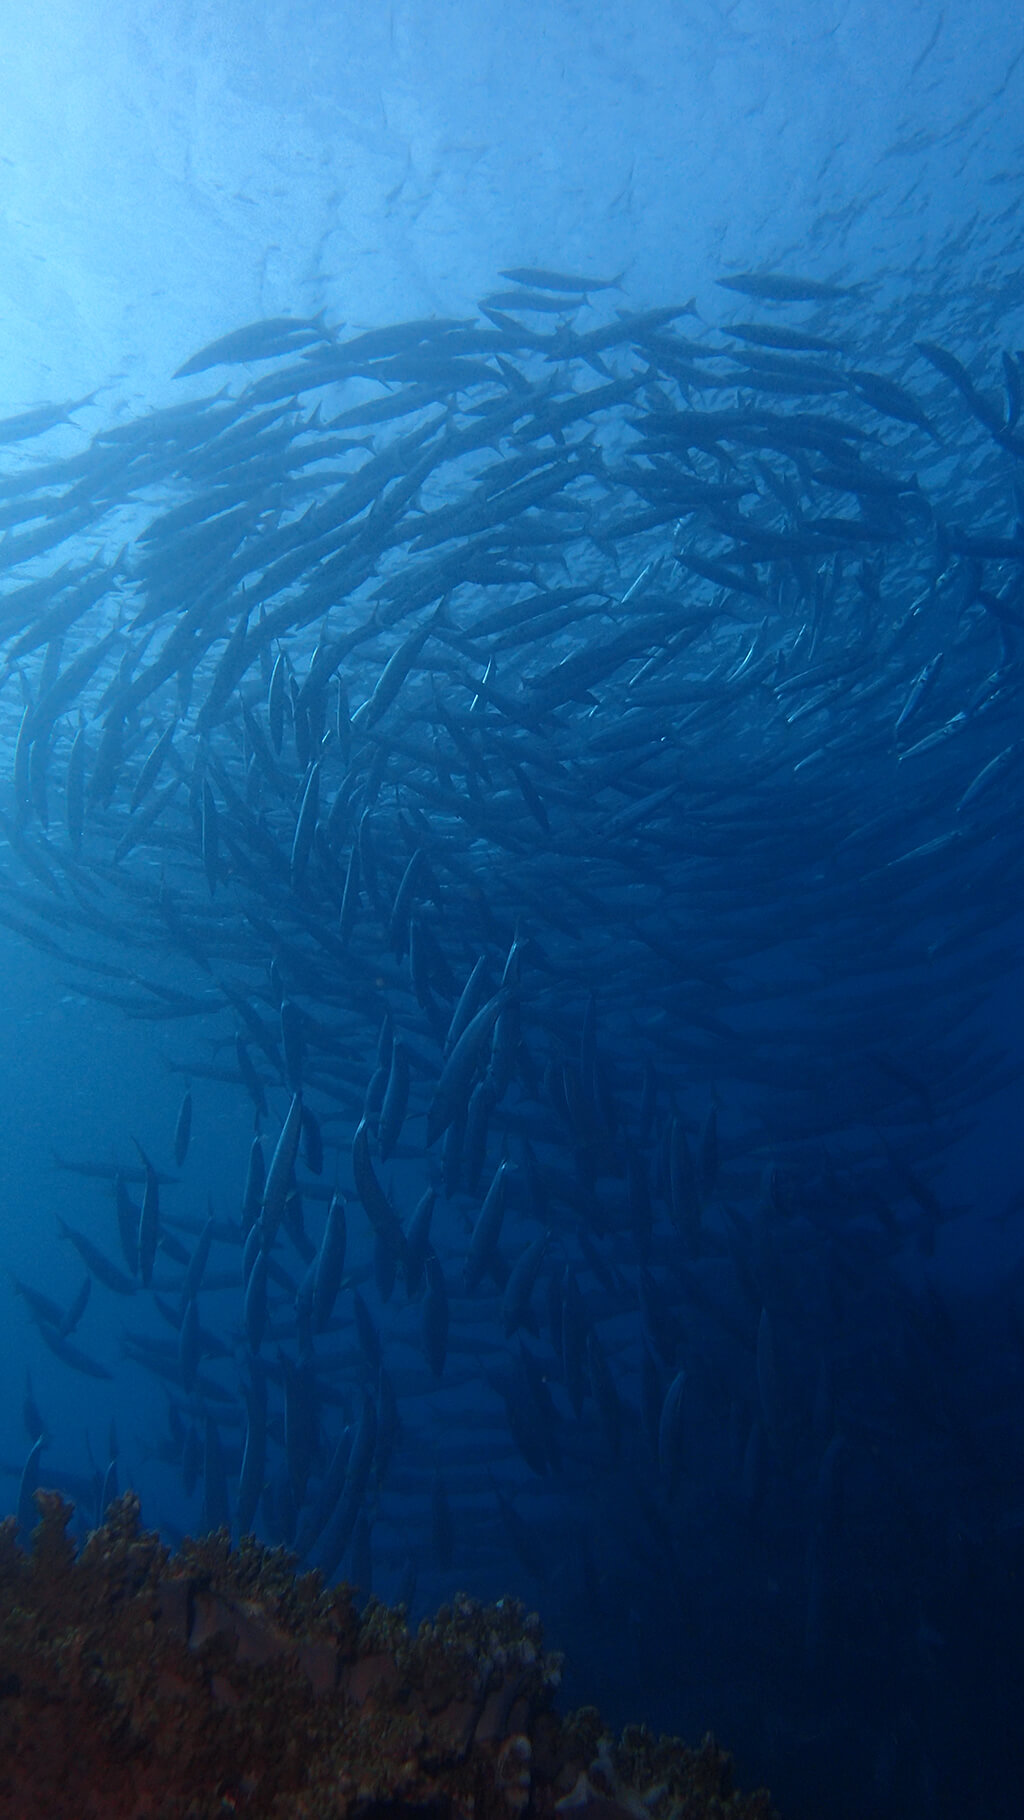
{"x":689,"y":746}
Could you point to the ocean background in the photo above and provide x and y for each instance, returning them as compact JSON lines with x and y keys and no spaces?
{"x":171,"y":172}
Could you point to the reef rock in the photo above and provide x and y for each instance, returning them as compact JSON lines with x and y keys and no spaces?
{"x":140,"y":1685}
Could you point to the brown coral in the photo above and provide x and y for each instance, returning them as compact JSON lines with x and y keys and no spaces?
{"x":137,"y":1685}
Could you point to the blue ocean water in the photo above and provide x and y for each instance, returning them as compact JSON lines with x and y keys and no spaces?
{"x":590,"y":793}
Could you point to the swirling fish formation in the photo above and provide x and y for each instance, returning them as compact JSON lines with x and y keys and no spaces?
{"x":573,"y":772}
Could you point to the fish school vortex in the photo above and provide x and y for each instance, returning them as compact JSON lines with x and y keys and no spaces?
{"x":560,"y":771}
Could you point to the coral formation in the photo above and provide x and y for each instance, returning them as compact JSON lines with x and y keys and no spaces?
{"x":140,"y":1685}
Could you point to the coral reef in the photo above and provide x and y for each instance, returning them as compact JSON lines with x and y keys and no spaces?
{"x":140,"y":1685}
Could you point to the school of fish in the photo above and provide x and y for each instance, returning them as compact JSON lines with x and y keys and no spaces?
{"x":561,"y":770}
